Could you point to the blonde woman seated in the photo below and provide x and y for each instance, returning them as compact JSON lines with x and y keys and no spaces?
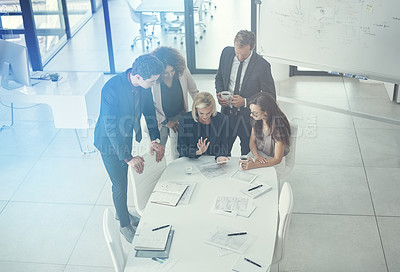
{"x":203,"y":131}
{"x":270,"y":134}
{"x":170,"y":94}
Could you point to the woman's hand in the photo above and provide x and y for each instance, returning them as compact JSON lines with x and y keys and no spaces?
{"x":222,"y":160}
{"x":202,"y":146}
{"x":247,"y":165}
{"x":261,"y":159}
{"x":174,"y":125}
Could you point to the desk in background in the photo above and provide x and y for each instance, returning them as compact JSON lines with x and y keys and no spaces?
{"x":159,"y":6}
{"x":193,"y":222}
{"x":74,"y":100}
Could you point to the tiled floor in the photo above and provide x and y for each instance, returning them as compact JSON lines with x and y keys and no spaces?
{"x":346,"y":186}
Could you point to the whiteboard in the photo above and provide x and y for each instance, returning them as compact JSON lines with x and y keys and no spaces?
{"x":360,"y":37}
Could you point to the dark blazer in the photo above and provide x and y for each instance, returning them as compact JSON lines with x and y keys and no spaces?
{"x":119,"y":118}
{"x":190,"y":132}
{"x":257,"y":77}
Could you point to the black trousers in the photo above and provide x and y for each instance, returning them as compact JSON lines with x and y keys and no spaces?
{"x":118,"y":172}
{"x":239,"y":126}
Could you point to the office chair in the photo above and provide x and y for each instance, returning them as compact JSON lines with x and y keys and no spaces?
{"x":291,"y":156}
{"x":148,"y":20}
{"x":144,"y":183}
{"x":285,"y":214}
{"x":113,"y":240}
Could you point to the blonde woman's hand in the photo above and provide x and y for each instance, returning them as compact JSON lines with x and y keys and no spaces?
{"x":202,"y":146}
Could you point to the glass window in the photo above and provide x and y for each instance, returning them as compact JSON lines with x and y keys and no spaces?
{"x":216,"y":24}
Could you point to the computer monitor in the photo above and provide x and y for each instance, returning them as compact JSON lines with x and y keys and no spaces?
{"x":14,"y":65}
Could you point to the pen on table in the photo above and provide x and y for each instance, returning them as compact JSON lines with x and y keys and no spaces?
{"x":252,"y":262}
{"x":237,"y":233}
{"x":258,"y":186}
{"x":165,"y":226}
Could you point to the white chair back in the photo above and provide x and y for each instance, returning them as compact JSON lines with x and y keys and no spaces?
{"x":143,"y":184}
{"x":290,"y":158}
{"x":285,"y":214}
{"x":113,"y":240}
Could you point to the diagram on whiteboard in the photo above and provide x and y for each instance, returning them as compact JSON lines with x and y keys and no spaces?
{"x":362,"y":35}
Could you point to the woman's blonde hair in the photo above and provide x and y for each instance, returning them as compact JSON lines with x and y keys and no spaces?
{"x":201,"y":101}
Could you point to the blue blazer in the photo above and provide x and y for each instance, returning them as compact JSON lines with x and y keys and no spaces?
{"x":190,"y":132}
{"x":119,"y":117}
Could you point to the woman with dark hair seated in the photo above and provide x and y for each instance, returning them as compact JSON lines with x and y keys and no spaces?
{"x":170,"y":94}
{"x":203,"y":130}
{"x":270,"y":134}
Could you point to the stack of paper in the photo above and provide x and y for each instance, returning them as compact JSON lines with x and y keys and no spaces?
{"x":168,"y":193}
{"x":230,"y":205}
{"x":147,"y":239}
{"x":256,"y":189}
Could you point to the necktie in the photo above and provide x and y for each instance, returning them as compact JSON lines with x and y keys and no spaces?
{"x":238,"y":76}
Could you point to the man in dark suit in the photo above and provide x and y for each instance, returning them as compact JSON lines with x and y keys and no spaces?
{"x":243,"y":73}
{"x":124,"y":98}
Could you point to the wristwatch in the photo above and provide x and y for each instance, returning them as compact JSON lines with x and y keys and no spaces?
{"x":156,"y":141}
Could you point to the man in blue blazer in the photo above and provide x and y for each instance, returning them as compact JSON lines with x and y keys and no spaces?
{"x":124,"y":98}
{"x":243,"y":73}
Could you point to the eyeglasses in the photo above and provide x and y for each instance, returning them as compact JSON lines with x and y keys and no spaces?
{"x":255,"y":114}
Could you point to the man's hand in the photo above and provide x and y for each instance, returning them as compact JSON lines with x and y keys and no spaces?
{"x":237,"y":101}
{"x":202,"y":146}
{"x":223,"y":102}
{"x":159,"y":149}
{"x":174,"y":125}
{"x":137,"y":163}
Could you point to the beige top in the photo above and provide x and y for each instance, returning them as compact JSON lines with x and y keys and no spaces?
{"x":267,"y":145}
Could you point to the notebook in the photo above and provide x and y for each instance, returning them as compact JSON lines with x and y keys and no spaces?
{"x":157,"y":253}
{"x":168,"y":193}
{"x":147,"y":239}
{"x":256,"y":189}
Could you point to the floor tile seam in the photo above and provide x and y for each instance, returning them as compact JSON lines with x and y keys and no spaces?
{"x":51,"y":202}
{"x":101,"y":191}
{"x":334,"y":214}
{"x":26,"y":176}
{"x":324,"y":164}
{"x":372,"y":199}
{"x":388,"y":216}
{"x":31,"y":262}
{"x":80,"y":235}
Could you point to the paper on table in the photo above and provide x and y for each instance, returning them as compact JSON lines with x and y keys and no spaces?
{"x":244,"y":176}
{"x":147,"y":239}
{"x":231,"y":206}
{"x":258,"y":191}
{"x":211,"y":170}
{"x":237,"y":243}
{"x":242,"y":265}
{"x":188,"y":193}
